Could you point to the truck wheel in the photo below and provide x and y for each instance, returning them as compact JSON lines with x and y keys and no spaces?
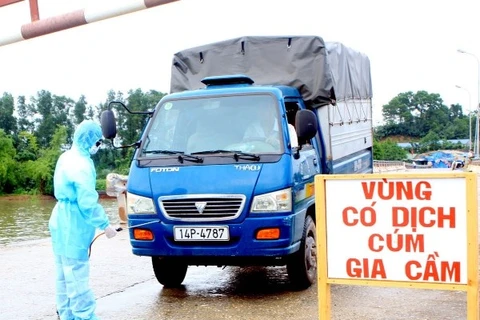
{"x":169,"y":272}
{"x":302,"y":265}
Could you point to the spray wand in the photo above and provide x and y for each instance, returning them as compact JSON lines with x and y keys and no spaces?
{"x":118,"y":230}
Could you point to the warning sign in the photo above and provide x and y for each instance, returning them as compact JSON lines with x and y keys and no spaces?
{"x":397,"y":229}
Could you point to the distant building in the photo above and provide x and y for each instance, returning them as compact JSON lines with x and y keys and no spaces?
{"x":464,"y":142}
{"x":404,"y":144}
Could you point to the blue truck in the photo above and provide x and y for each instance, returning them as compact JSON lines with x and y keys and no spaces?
{"x":223,"y":172}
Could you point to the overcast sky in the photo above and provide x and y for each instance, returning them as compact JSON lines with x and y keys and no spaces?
{"x":412,"y":44}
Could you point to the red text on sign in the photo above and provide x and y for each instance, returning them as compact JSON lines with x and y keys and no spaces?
{"x":433,"y":270}
{"x":366,"y":216}
{"x":427,"y":217}
{"x":399,"y":190}
{"x":396,"y":242}
{"x":361,"y":268}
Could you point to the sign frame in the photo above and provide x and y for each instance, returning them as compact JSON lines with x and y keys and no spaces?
{"x":471,"y":240}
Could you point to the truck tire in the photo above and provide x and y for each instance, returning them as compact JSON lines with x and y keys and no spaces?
{"x":302,"y":265}
{"x":169,"y":272}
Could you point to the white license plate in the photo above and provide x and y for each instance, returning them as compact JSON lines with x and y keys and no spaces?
{"x":211,"y":233}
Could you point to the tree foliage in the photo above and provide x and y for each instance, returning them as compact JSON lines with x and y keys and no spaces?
{"x":35,"y":131}
{"x":414,"y":115}
{"x":7,"y":120}
{"x":7,"y":163}
{"x":388,"y":150}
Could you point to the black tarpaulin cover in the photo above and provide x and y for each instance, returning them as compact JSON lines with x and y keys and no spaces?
{"x":320,"y":71}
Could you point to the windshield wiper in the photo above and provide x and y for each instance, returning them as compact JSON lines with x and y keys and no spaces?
{"x":246,"y":156}
{"x":236,"y":154}
{"x":214,"y":151}
{"x":181,"y":155}
{"x":189,"y":157}
{"x":163,"y":152}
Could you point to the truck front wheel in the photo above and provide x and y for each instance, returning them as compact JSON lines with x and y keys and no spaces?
{"x":169,"y":272}
{"x":302,"y":265}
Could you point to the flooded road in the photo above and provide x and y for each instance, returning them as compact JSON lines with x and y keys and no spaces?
{"x":24,"y":218}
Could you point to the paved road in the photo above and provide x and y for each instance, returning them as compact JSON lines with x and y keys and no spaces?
{"x":126,"y":289}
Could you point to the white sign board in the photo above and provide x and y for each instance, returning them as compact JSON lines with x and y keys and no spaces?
{"x":405,"y":229}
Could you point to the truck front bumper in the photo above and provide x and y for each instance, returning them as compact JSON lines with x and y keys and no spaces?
{"x":241,"y":246}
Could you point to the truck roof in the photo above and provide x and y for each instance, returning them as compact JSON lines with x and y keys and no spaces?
{"x":322,"y":72}
{"x":233,"y":88}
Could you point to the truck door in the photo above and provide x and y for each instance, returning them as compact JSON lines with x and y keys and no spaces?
{"x":306,"y":163}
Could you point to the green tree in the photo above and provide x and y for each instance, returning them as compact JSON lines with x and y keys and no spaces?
{"x":132,"y":126}
{"x":53,"y":111}
{"x":42,"y":169}
{"x":7,"y":163}
{"x":90,"y":113}
{"x":25,"y":115}
{"x":388,"y":150}
{"x":45,"y":124}
{"x":399,"y":110}
{"x":27,"y":147}
{"x":79,"y":110}
{"x":414,"y":115}
{"x":8,"y":122}
{"x":456,"y":112}
{"x":430,"y":142}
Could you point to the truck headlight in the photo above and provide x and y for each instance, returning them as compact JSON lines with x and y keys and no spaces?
{"x":137,"y":204}
{"x":278,"y":201}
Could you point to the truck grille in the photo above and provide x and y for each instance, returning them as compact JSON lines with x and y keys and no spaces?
{"x":202,"y":207}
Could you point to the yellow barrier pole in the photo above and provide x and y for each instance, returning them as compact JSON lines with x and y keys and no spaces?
{"x":324,"y":298}
{"x":473,"y":310}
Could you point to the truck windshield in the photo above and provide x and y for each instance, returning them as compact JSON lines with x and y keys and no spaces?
{"x":248,"y":124}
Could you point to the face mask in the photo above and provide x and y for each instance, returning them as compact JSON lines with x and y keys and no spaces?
{"x":95,"y":147}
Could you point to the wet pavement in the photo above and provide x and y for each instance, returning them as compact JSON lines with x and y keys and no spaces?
{"x":126,"y":288}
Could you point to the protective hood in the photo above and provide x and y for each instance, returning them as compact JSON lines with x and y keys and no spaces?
{"x":86,"y":135}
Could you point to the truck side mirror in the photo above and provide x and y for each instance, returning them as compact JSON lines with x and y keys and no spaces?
{"x":109,"y":125}
{"x":306,"y":124}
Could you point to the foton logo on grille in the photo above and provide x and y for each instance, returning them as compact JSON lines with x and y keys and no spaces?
{"x":248,"y":167}
{"x":171,"y":169}
{"x":200,"y":206}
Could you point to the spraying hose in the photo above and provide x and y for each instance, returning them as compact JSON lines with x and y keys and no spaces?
{"x":118,"y":230}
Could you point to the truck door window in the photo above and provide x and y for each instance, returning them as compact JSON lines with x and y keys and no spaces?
{"x":292,"y":108}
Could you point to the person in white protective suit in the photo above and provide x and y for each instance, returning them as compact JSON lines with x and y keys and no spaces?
{"x":73,"y":222}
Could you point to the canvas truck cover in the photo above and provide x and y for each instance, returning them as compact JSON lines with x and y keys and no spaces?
{"x":321,"y":71}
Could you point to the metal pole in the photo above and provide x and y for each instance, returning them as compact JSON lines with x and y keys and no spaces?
{"x":470,"y":132}
{"x":7,"y":2}
{"x":469,"y":119}
{"x":477,"y":141}
{"x":475,"y":151}
{"x":34,"y":14}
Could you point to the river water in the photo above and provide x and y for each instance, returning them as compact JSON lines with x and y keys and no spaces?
{"x":26,"y":218}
